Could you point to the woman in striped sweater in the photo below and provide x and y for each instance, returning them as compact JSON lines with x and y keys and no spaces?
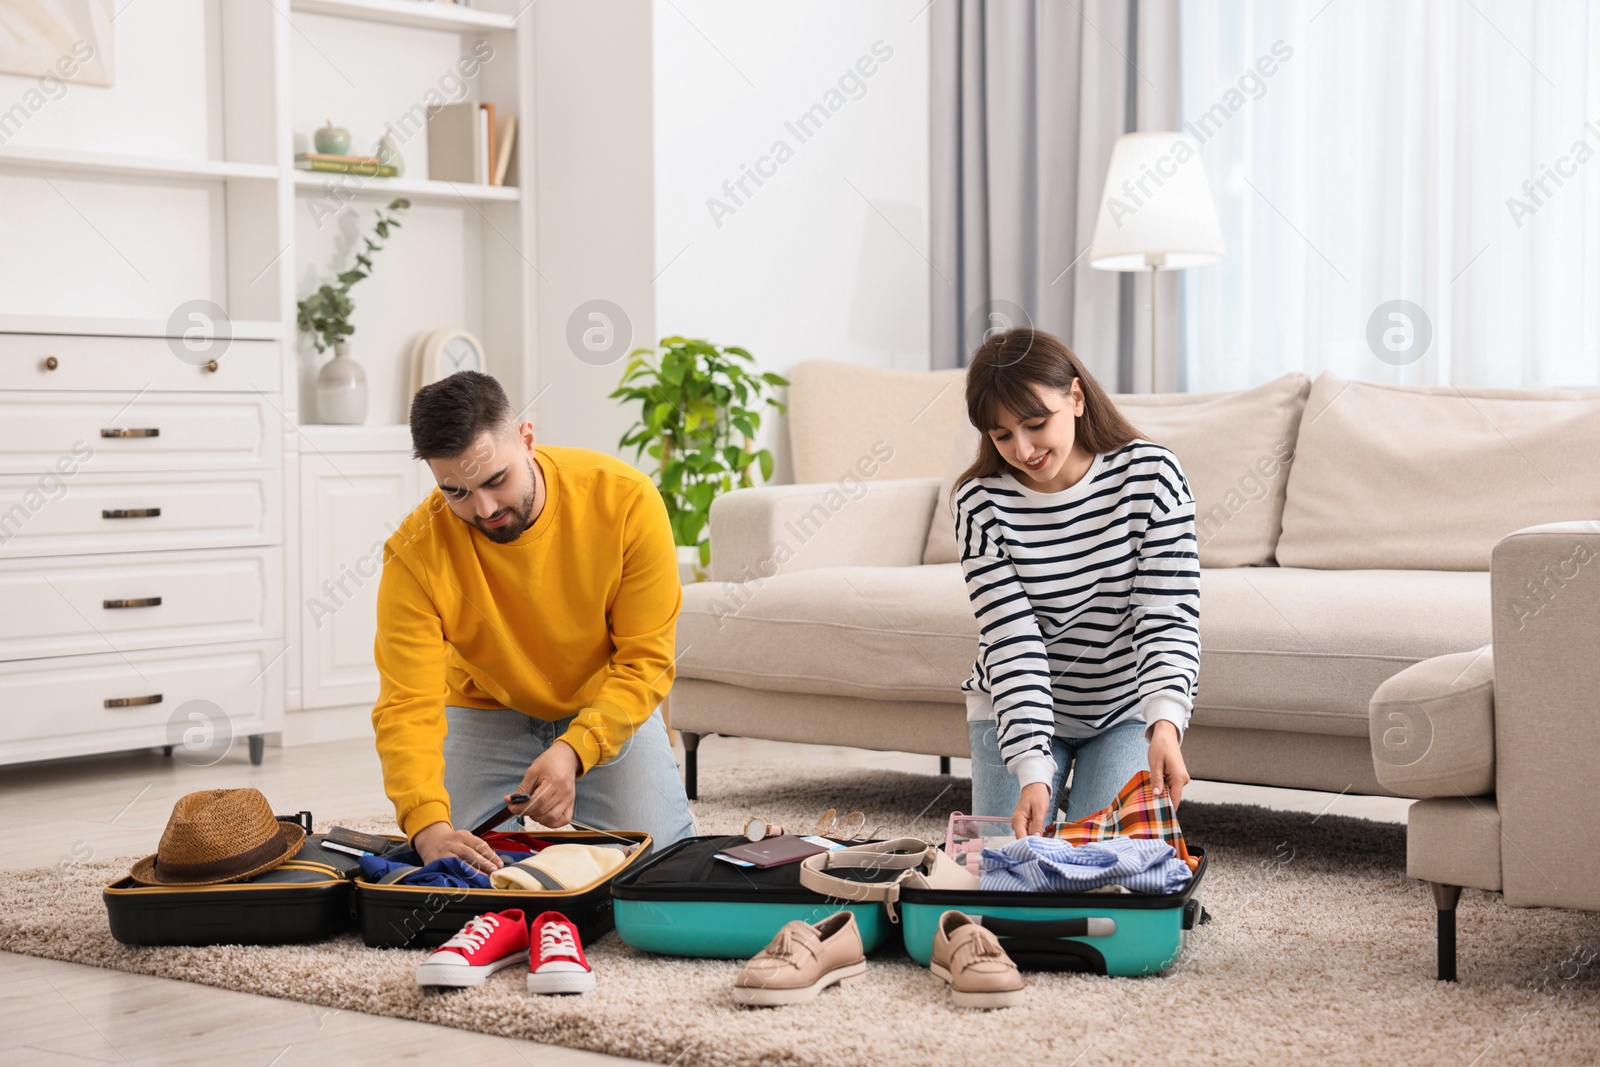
{"x":1077,"y":541}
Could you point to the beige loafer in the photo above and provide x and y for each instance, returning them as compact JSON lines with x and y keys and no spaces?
{"x":802,"y":961}
{"x":969,"y":959}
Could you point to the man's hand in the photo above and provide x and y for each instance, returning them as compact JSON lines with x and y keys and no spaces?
{"x":1167,"y":769}
{"x":550,"y":786}
{"x":438,"y":840}
{"x":1033,"y":810}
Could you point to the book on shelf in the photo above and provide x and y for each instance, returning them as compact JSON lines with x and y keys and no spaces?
{"x":374,"y":169}
{"x":333,"y":157}
{"x":469,"y":144}
{"x":484,"y":166}
{"x":507,"y":138}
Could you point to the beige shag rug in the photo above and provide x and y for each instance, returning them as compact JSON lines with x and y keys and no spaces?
{"x":1320,"y":950}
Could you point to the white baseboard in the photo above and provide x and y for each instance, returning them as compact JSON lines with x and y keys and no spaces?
{"x":309,"y":726}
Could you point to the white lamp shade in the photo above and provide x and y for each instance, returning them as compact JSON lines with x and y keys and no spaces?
{"x":1156,"y":209}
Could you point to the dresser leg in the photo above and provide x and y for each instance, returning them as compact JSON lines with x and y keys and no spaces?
{"x":944,"y":764}
{"x":258,"y":748}
{"x":166,"y":750}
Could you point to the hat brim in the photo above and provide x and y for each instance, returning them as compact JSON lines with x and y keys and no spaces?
{"x":145,"y":871}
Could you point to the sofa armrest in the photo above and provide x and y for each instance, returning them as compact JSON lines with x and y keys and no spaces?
{"x":755,"y":533}
{"x":1545,"y":589}
{"x":1432,"y":727}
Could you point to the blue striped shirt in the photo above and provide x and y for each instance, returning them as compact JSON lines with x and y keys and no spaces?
{"x":1087,"y":600}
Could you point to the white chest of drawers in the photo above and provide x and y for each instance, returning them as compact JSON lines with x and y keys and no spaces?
{"x":141,"y":547}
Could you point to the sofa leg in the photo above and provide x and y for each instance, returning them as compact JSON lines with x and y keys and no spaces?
{"x":691,"y":764}
{"x":1445,"y":898}
{"x":944,"y":764}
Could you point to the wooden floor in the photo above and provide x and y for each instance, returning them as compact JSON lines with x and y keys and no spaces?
{"x":107,"y":806}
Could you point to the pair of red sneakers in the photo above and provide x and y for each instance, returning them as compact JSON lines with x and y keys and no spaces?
{"x":494,"y":941}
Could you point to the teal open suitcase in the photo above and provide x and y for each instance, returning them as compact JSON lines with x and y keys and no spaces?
{"x":1052,"y":932}
{"x":683,"y":902}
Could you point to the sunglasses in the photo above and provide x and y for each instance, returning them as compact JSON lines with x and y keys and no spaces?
{"x":830,"y":824}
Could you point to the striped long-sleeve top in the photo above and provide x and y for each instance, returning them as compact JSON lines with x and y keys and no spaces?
{"x":1087,"y":600}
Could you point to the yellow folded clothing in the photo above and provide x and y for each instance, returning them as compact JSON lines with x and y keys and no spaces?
{"x":562,"y":866}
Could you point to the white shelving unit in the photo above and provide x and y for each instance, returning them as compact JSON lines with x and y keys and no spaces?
{"x":205,"y":203}
{"x":66,"y":161}
{"x":416,"y":15}
{"x":310,"y":183}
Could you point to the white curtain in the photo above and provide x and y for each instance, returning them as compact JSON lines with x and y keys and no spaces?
{"x":1362,"y":151}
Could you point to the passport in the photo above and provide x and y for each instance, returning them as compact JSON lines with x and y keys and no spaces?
{"x":775,"y":851}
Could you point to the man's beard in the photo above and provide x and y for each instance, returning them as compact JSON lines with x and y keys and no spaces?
{"x":521,"y":516}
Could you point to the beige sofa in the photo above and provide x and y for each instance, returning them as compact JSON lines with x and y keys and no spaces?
{"x":1501,"y":742}
{"x":1346,"y":531}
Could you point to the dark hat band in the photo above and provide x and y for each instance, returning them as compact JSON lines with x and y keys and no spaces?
{"x":239,"y":863}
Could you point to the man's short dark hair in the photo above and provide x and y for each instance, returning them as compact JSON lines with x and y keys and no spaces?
{"x":452,"y":413}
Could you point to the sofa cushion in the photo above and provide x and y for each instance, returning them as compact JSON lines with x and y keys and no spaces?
{"x":1291,"y":649}
{"x":1235,"y":449}
{"x":941,"y":546}
{"x":841,"y":412}
{"x":1431,"y":477}
{"x":889,"y":633}
{"x":1280,"y":649}
{"x":1432,"y":727}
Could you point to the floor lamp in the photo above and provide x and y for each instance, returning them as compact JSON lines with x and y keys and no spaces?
{"x":1156,"y":213}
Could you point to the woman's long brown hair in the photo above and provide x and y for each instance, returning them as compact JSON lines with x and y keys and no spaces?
{"x":1003,"y":372}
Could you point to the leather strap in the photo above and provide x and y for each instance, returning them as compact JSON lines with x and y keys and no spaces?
{"x":908,"y":855}
{"x":395,"y":873}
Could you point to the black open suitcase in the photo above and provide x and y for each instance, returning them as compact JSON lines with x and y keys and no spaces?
{"x":307,"y":898}
{"x":410,"y":916}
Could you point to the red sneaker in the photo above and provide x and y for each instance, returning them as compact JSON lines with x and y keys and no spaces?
{"x":556,"y":963}
{"x":488,"y":943}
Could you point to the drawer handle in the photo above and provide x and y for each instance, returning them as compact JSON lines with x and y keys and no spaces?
{"x":132,"y":702}
{"x":51,"y":363}
{"x":135,"y":602}
{"x":124,"y":432}
{"x":211,"y":366}
{"x":130,"y":513}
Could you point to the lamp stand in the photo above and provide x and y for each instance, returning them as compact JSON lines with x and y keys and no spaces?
{"x":1154,"y":297}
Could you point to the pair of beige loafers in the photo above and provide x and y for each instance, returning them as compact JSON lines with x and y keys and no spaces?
{"x":806,"y":958}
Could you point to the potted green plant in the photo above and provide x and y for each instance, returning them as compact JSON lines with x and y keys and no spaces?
{"x":325,"y":315}
{"x":700,"y":407}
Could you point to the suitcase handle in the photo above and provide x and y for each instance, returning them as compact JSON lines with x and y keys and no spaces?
{"x":1092,"y":926}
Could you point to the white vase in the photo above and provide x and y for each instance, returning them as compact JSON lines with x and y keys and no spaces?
{"x":388,"y":152}
{"x":342,"y":389}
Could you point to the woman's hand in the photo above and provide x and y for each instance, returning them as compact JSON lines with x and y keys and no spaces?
{"x":1033,"y":810}
{"x":1167,"y":770}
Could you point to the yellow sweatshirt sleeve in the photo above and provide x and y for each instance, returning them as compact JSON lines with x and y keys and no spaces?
{"x":409,"y":717}
{"x":644,"y":630}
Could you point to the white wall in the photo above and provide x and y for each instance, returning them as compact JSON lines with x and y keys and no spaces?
{"x":825,"y":258}
{"x":130,"y":248}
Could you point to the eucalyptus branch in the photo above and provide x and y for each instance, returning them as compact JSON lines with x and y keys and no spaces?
{"x":325,"y":314}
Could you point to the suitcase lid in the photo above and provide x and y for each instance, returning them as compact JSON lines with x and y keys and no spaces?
{"x":689,"y":871}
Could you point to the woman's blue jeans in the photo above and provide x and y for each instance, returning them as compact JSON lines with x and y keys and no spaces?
{"x":1100,"y":766}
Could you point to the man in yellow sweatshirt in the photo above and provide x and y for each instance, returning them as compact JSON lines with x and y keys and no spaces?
{"x":526,"y":621}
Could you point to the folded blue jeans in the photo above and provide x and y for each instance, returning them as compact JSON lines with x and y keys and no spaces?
{"x":488,"y":750}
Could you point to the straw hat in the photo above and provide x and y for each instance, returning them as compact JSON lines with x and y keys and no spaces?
{"x":216,"y":836}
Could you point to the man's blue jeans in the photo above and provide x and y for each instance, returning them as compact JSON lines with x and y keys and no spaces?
{"x":487,"y":751}
{"x":1100,"y":766}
